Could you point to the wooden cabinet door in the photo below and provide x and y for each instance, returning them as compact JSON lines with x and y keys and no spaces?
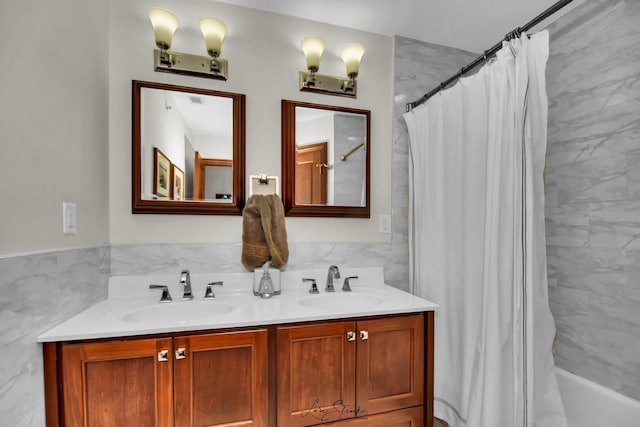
{"x":390,"y":364}
{"x":221,"y":379}
{"x":316,"y":374}
{"x":118,"y":383}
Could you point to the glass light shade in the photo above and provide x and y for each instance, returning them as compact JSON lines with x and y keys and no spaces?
{"x":352,"y":55}
{"x":312,"y":47}
{"x":165,"y":24}
{"x":214,"y":31}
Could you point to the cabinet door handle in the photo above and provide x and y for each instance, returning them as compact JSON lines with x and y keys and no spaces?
{"x":364,"y":335}
{"x":351,"y":336}
{"x":181,"y":353}
{"x":163,"y":355}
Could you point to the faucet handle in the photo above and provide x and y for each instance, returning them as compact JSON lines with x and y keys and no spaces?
{"x":314,"y":286}
{"x":345,"y":286}
{"x":185,"y":277}
{"x":209,"y":292}
{"x":166,"y":296}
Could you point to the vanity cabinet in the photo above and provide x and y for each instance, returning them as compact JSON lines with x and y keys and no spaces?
{"x":337,"y":371}
{"x":193,"y":380}
{"x":365,"y":372}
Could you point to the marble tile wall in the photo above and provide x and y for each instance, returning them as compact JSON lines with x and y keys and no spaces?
{"x":37,"y":292}
{"x":593,"y":192}
{"x":225,"y":257}
{"x":418,"y":68}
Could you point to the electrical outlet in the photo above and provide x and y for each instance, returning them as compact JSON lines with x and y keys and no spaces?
{"x":385,"y":224}
{"x":69,"y":218}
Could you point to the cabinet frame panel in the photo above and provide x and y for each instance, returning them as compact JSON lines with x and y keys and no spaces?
{"x":256,"y":340}
{"x":74,"y":408}
{"x":344,"y":406}
{"x":414,"y":326}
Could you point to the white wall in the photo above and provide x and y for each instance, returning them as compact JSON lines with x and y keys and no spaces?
{"x":160,"y":128}
{"x":53,"y":119}
{"x":258,"y":43}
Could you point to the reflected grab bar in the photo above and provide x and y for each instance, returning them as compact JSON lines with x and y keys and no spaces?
{"x":353,"y":150}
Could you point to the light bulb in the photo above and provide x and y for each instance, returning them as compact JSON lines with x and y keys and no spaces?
{"x":352,"y":55}
{"x":312,"y":47}
{"x":165,"y":24}
{"x":214,"y":31}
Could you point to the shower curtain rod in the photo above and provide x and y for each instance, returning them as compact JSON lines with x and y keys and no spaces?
{"x":492,"y":51}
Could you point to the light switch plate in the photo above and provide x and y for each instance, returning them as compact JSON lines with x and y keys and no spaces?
{"x":385,"y":224}
{"x":69,"y":218}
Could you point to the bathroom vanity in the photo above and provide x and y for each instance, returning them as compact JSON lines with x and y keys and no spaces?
{"x":360,"y":358}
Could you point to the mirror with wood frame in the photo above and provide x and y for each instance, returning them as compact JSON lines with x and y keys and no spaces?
{"x":188,"y":150}
{"x":325,"y":160}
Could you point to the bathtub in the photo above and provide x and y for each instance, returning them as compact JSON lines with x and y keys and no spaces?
{"x":588,"y":404}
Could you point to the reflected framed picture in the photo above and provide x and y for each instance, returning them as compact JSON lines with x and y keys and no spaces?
{"x":177,"y":183}
{"x":161,"y":174}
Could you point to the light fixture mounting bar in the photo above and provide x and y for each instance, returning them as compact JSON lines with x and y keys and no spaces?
{"x":185,"y":63}
{"x":328,"y":85}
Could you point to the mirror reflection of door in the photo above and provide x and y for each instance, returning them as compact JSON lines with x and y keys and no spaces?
{"x":343,"y":170}
{"x":311,"y":174}
{"x":339,"y":178}
{"x":213,"y":179}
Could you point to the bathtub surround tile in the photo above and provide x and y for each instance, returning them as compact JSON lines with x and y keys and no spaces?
{"x":590,"y":178}
{"x":593,"y":189}
{"x":599,"y":271}
{"x":615,"y":225}
{"x":567,"y":225}
{"x":595,"y":341}
{"x":633,"y":175}
{"x":632,"y":282}
{"x":37,"y":292}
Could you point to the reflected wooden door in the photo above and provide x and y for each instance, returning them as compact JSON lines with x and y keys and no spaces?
{"x":311,"y":174}
{"x":200,"y":175}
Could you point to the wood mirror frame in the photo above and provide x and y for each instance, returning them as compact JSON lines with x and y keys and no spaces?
{"x":289,"y":166}
{"x":189,"y":207}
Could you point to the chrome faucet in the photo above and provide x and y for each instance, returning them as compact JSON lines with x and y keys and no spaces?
{"x":346,"y":287}
{"x":334,"y":273}
{"x":185,"y":280}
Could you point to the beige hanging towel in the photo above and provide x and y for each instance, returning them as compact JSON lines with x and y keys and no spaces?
{"x":264,"y":235}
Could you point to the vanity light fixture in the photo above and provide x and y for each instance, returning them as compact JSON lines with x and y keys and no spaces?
{"x":165,"y":24}
{"x":311,"y":81}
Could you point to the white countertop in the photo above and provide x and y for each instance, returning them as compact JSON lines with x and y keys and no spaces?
{"x":133,"y":309}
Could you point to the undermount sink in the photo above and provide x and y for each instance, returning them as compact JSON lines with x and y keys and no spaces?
{"x":341,"y":300}
{"x":178,"y":312}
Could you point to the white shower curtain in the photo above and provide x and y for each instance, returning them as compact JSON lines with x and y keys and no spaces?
{"x":477,"y":232}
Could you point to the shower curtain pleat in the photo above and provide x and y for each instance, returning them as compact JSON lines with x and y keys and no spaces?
{"x":477,"y":241}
